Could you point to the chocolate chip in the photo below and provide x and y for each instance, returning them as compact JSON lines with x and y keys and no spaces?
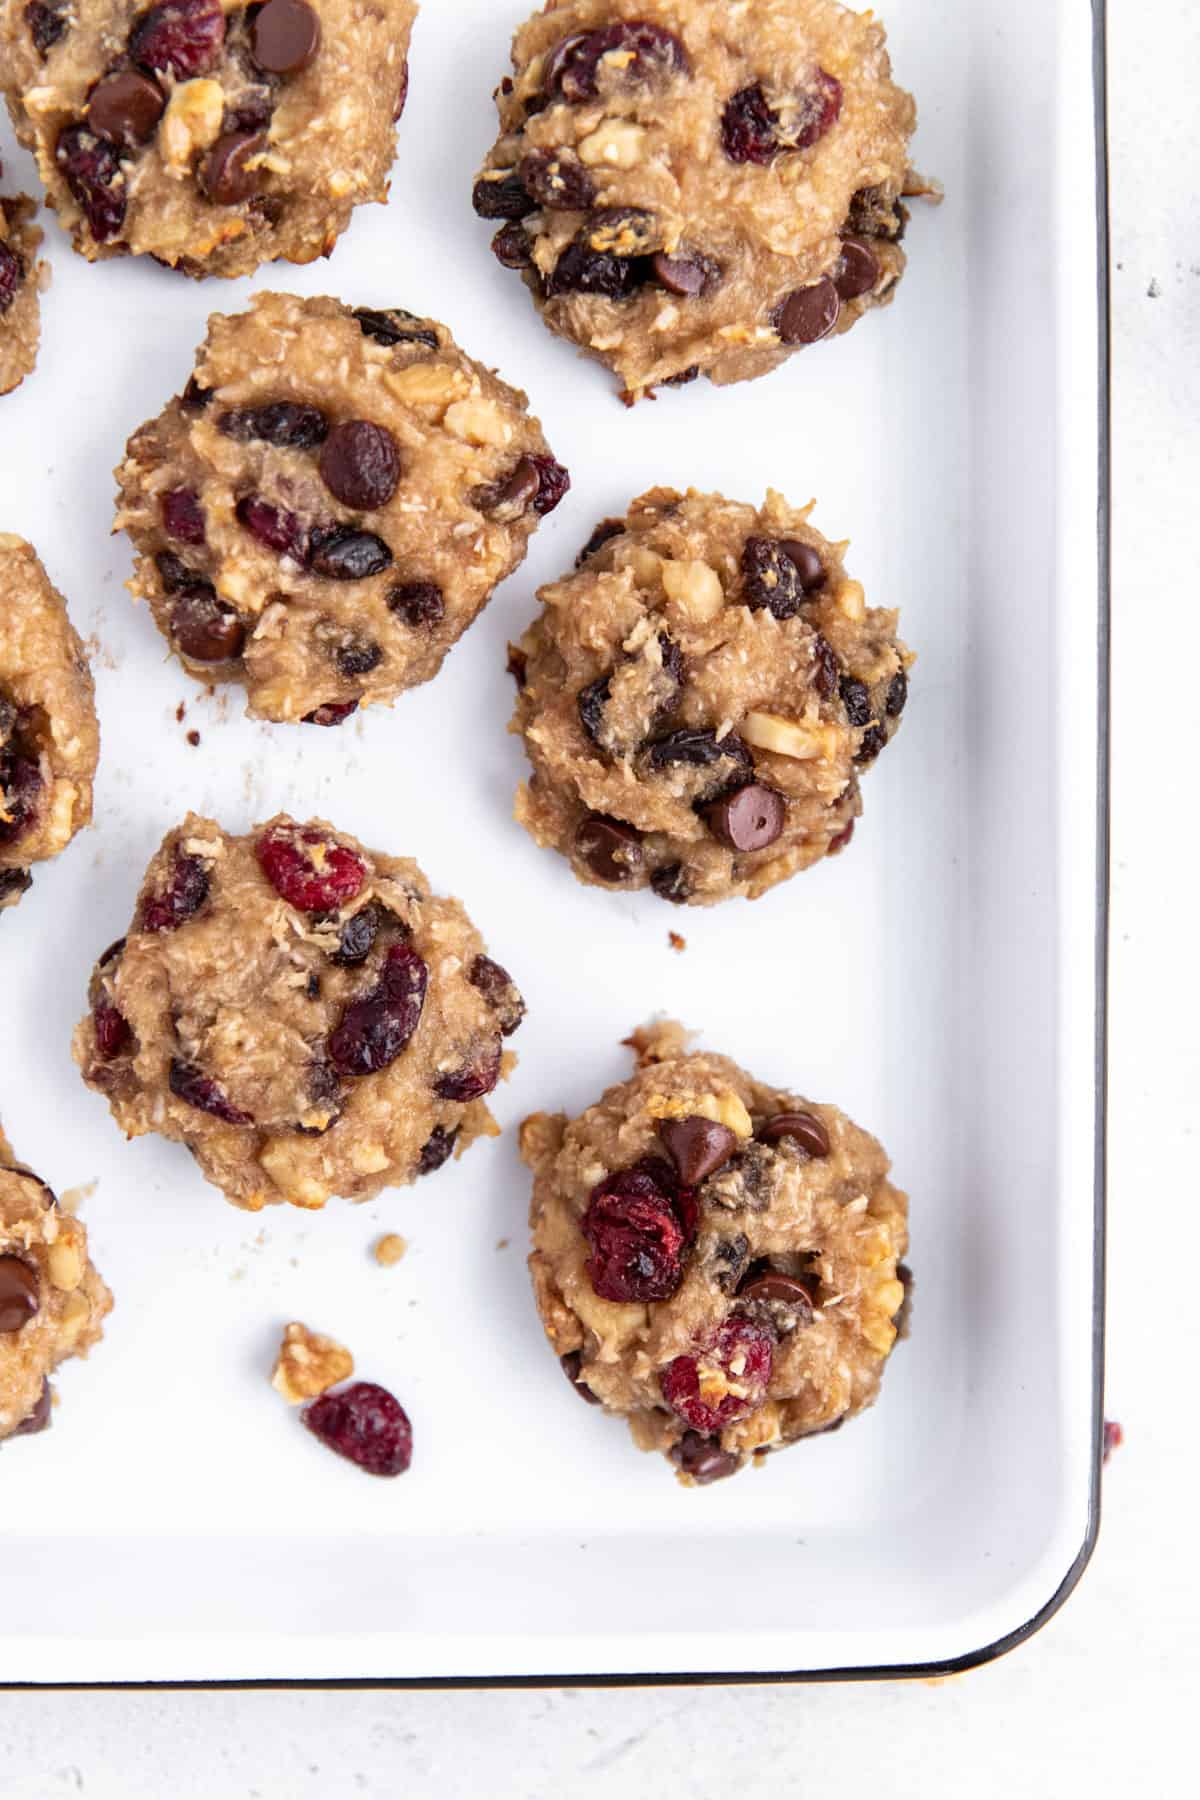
{"x":506,"y":198}
{"x":513,"y":494}
{"x":611,"y":849}
{"x":39,"y":1418}
{"x":224,"y":175}
{"x":697,"y":1146}
{"x":687,"y":273}
{"x":857,"y":270}
{"x":126,"y":108}
{"x":804,"y":1129}
{"x":671,"y":883}
{"x":703,"y":1458}
{"x":20,"y":1292}
{"x":517,"y":665}
{"x":557,"y":180}
{"x":809,"y":314}
{"x":360,"y":464}
{"x":897,"y":695}
{"x":750,"y":818}
{"x":418,"y":603}
{"x":438,"y":1150}
{"x":571,"y":1364}
{"x":765,"y":1284}
{"x":333,"y":712}
{"x":204,"y":628}
{"x":284,"y":36}
{"x":14,"y":883}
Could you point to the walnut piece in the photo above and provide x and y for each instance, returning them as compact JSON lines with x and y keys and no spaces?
{"x":308,"y":1363}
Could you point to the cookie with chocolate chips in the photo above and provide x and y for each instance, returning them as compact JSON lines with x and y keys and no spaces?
{"x":52,"y":1301}
{"x":691,"y":188}
{"x":303,"y":1013}
{"x":700,"y":697}
{"x":717,"y":1260}
{"x":330,"y":503}
{"x":211,"y":136}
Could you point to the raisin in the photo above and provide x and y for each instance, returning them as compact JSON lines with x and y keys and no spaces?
{"x":580,"y":270}
{"x":20,"y":796}
{"x":873,"y":742}
{"x":360,"y":464}
{"x":365,"y":1424}
{"x":13,"y":883}
{"x":343,"y":553}
{"x":473,"y":1079}
{"x":604,"y":533}
{"x":696,"y":747}
{"x":536,"y":481}
{"x":631,"y":52}
{"x":184,"y":895}
{"x":557,"y":180}
{"x":47,"y":23}
{"x":685,"y":376}
{"x":781,"y":574}
{"x":194,"y":397}
{"x":357,"y":937}
{"x":358,"y":657}
{"x":438,"y":1150}
{"x":181,"y":37}
{"x":857,"y":700}
{"x":174,"y":573}
{"x":201,"y":1091}
{"x":375,"y":1029}
{"x":12,"y":273}
{"x":392,"y":327}
{"x":418,"y":603}
{"x":183,"y":516}
{"x":499,"y":990}
{"x":273,"y":526}
{"x":738,"y":1356}
{"x":506,"y":198}
{"x":92,"y":171}
{"x":827,"y":668}
{"x":897,"y":695}
{"x":511,"y":246}
{"x":288,"y":424}
{"x":729,"y":1259}
{"x":591,"y":702}
{"x":308,"y":869}
{"x":638,"y":1239}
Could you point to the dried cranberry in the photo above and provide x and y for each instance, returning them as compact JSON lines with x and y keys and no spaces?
{"x":12,"y":273}
{"x":857,"y":700}
{"x":418,"y":603}
{"x":181,"y":37}
{"x":203,"y":628}
{"x":333,"y":712}
{"x":590,"y":703}
{"x":511,"y":246}
{"x":288,"y":424}
{"x":752,"y":130}
{"x":365,"y":1424}
{"x":308,"y":869}
{"x":639,"y":1240}
{"x":558,"y":180}
{"x":499,"y":990}
{"x":183,"y":516}
{"x":503,"y":198}
{"x":630,"y":52}
{"x":199,"y":1090}
{"x":273,"y":526}
{"x":360,"y":464}
{"x":780,"y":574}
{"x":553,"y":483}
{"x":438,"y":1150}
{"x":703,"y":1458}
{"x":111,"y":1029}
{"x":376,"y":1028}
{"x":473,"y":1079}
{"x":392,"y":327}
{"x":92,"y":171}
{"x":536,"y":481}
{"x":342,"y":553}
{"x":20,"y":795}
{"x":726,"y":1378}
{"x":47,"y":22}
{"x":181,"y":899}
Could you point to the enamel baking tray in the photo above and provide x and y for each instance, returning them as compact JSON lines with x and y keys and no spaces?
{"x":943,"y":982}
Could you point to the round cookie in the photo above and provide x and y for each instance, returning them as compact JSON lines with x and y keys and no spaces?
{"x":715,"y":1259}
{"x":693,"y":186}
{"x":49,"y":738}
{"x":699,"y":699}
{"x":302,"y":1013}
{"x":20,"y":309}
{"x":212,"y":136}
{"x":52,"y":1301}
{"x":330,"y":503}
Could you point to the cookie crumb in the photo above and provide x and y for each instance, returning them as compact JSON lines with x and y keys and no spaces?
{"x":389,"y":1249}
{"x":1114,"y":1437}
{"x":503,"y":1243}
{"x":193,"y":738}
{"x":308,"y":1364}
{"x":677,"y":943}
{"x":180,"y":713}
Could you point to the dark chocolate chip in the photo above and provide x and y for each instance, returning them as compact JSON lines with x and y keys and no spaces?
{"x":688,"y":273}
{"x":697,"y":1146}
{"x":857,"y":270}
{"x":611,"y":849}
{"x":902,"y":1319}
{"x":750,"y":818}
{"x":671,"y":883}
{"x":604,"y":533}
{"x":438,"y":1150}
{"x":809,"y":314}
{"x":284,"y":36}
{"x":571,"y":1364}
{"x":14,"y":883}
{"x":203,"y":628}
{"x":125,"y":108}
{"x":39,"y":1418}
{"x":224,"y":175}
{"x":767,"y":1285}
{"x":803,"y":1128}
{"x":20,"y":1292}
{"x":703,"y":1458}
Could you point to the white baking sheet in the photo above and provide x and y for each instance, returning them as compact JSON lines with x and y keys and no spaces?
{"x":938,"y":982}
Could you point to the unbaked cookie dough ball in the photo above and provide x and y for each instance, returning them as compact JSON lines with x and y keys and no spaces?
{"x":330,"y":503}
{"x":715,"y":1259}
{"x":700,"y":186}
{"x":49,"y":738}
{"x":699,"y":699}
{"x":52,"y":1301}
{"x":20,"y":272}
{"x":212,"y":136}
{"x":302,"y":1013}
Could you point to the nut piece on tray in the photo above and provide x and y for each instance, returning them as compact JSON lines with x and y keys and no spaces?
{"x":687,"y":193}
{"x":49,"y":738}
{"x":330,"y":503}
{"x":699,"y":699}
{"x":308,"y":1364}
{"x":714,"y":1258}
{"x":301,"y":1012}
{"x":212,"y":137}
{"x":20,"y":312}
{"x":52,"y":1301}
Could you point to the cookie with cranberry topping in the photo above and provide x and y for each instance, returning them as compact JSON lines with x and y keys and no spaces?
{"x":20,"y":275}
{"x":211,"y":136}
{"x":686,"y":194}
{"x":52,"y":1301}
{"x":700,"y":697}
{"x":302,"y":1012}
{"x":330,"y":503}
{"x":715,"y":1259}
{"x":49,"y":737}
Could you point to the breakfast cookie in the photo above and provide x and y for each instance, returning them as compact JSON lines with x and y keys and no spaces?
{"x":302,"y":1013}
{"x":714,"y":1258}
{"x":212,"y":136}
{"x":699,"y":699}
{"x":330,"y":503}
{"x":49,"y":738}
{"x":20,"y":309}
{"x":52,"y":1301}
{"x":700,"y":186}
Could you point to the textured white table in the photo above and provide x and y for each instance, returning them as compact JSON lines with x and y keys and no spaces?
{"x":1103,"y":1699}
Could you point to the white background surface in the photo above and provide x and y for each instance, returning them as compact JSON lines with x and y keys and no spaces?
{"x":1104,"y":1696}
